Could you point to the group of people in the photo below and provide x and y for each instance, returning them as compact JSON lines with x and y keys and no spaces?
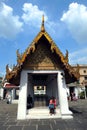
{"x":52,"y":103}
{"x":72,"y":97}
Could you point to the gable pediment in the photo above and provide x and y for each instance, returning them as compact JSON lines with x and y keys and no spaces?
{"x":42,"y":58}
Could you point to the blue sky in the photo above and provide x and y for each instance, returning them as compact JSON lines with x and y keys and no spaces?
{"x":65,"y":21}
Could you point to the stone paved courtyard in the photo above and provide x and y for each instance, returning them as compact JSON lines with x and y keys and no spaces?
{"x":8,"y":119}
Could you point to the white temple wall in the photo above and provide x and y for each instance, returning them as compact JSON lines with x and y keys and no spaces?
{"x":13,"y":94}
{"x":1,"y":93}
{"x":76,"y":92}
{"x":22,"y":102}
{"x":64,"y":108}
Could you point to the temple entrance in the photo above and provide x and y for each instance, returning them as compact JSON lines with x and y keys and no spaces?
{"x":54,"y":86}
{"x":41,"y":87}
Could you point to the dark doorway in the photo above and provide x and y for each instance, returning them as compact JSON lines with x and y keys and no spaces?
{"x":40,"y":89}
{"x":86,"y":90}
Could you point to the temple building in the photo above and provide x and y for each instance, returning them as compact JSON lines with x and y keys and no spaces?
{"x":42,"y":71}
{"x":80,"y":86}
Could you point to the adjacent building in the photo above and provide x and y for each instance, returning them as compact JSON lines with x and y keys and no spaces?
{"x":80,"y":86}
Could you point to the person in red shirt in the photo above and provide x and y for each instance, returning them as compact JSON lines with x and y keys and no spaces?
{"x":52,"y":105}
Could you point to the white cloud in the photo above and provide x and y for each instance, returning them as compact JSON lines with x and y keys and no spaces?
{"x":79,"y":56}
{"x":76,"y":20}
{"x":32,"y":14}
{"x":10,"y":25}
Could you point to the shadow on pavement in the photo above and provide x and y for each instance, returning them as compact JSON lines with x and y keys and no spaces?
{"x":75,"y":111}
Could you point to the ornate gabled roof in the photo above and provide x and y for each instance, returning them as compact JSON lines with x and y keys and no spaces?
{"x":22,"y":57}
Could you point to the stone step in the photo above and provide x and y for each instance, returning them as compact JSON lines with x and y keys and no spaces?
{"x":42,"y":113}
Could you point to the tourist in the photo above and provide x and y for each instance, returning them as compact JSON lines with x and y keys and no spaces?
{"x":29,"y":101}
{"x":8,"y":97}
{"x":52,"y":105}
{"x":74,"y":97}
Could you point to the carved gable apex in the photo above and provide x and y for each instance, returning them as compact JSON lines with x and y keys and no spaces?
{"x":42,"y":58}
{"x":53,"y":47}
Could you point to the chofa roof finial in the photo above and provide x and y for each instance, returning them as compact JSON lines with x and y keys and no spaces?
{"x":42,"y":26}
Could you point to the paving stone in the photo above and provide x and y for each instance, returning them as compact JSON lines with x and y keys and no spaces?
{"x":11,"y":119}
{"x":3,"y":127}
{"x":34,"y":122}
{"x":73,"y":125}
{"x":15,"y":128}
{"x":30,"y":128}
{"x":1,"y":123}
{"x":44,"y":127}
{"x":11,"y":123}
{"x":45,"y":122}
{"x":60,"y":126}
{"x":25,"y":122}
{"x":8,"y":119}
{"x":3,"y":118}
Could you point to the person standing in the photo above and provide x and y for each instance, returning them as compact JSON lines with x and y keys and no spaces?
{"x":9,"y":97}
{"x":29,"y":101}
{"x":52,"y":105}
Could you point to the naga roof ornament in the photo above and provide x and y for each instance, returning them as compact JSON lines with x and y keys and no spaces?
{"x":67,"y":56}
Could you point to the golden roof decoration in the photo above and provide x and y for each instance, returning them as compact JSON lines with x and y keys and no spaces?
{"x":19,"y":57}
{"x":78,"y":67}
{"x":67,"y":56}
{"x":51,"y":42}
{"x":7,"y":69}
{"x":42,"y":26}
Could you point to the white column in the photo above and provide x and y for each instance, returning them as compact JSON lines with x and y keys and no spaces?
{"x":64,"y":108}
{"x":22,"y":103}
{"x":13,"y":94}
{"x":2,"y":93}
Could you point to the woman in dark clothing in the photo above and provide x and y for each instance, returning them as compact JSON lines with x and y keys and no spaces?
{"x":29,"y":101}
